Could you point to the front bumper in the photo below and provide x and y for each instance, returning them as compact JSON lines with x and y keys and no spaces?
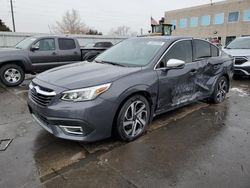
{"x":242,"y":69}
{"x":79,"y":121}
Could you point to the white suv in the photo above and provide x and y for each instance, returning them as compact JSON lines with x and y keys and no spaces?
{"x":240,"y":50}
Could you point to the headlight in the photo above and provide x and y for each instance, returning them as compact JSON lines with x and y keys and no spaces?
{"x":85,"y":94}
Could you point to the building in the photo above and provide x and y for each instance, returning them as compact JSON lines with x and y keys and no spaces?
{"x":222,"y":21}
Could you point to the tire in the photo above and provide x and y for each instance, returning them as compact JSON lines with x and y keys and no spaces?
{"x":11,"y":75}
{"x":128,"y":126}
{"x":220,"y":91}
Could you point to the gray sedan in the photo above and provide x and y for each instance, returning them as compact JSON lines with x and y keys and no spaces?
{"x":122,"y":90}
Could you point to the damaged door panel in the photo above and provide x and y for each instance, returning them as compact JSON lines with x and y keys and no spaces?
{"x":177,"y":86}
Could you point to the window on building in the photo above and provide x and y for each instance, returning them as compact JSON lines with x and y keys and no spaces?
{"x":173,"y":22}
{"x":183,"y":23}
{"x":246,"y":16}
{"x":219,"y":18}
{"x":202,"y":49}
{"x":66,"y":44}
{"x":193,"y":22}
{"x":205,"y":20}
{"x":233,"y":16}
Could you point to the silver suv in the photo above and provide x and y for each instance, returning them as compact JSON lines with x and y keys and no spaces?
{"x":240,"y":50}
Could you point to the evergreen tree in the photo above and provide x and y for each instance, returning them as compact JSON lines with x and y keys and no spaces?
{"x":3,"y":27}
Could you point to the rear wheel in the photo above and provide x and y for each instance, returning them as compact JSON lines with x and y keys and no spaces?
{"x":220,"y":90}
{"x":11,"y":75}
{"x":133,"y":118}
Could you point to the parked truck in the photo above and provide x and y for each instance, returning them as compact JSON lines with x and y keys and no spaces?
{"x":40,"y":53}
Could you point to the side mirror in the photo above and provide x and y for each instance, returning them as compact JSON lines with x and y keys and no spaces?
{"x":175,"y":64}
{"x":34,"y":48}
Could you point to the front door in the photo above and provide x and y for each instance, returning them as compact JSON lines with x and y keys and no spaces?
{"x":45,"y":55}
{"x":177,"y":85}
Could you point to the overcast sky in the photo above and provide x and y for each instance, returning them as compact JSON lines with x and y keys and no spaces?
{"x":40,"y":15}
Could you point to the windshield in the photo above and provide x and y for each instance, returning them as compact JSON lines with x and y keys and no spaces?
{"x":239,"y":43}
{"x":24,"y":44}
{"x":132,"y":52}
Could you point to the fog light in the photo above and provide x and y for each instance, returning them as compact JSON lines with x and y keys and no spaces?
{"x":72,"y":129}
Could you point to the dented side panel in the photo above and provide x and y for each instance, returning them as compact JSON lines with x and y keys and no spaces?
{"x":177,"y":86}
{"x":194,"y":82}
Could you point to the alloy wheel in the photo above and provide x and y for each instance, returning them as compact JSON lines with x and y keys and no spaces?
{"x":222,"y":90}
{"x":12,"y":75}
{"x":135,"y":118}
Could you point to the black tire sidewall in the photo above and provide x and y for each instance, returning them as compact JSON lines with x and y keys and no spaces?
{"x":4,"y":68}
{"x":215,"y":100}
{"x":119,"y":123}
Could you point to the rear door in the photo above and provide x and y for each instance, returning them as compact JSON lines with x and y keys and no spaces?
{"x":177,"y":86}
{"x":68,"y":50}
{"x":208,"y":60}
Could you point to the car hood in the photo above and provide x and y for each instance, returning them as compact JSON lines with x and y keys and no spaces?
{"x":85,"y":74}
{"x":238,"y":52}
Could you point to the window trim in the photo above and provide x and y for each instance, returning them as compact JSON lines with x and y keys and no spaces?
{"x":232,"y":12}
{"x":167,"y":50}
{"x":44,"y":39}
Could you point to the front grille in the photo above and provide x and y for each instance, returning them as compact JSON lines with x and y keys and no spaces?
{"x":240,"y":60}
{"x":40,"y":95}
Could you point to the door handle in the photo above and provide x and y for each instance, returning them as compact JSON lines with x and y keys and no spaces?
{"x":75,"y":53}
{"x":53,"y":53}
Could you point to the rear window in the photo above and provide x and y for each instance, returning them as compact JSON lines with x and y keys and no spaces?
{"x":66,"y":44}
{"x":202,"y":49}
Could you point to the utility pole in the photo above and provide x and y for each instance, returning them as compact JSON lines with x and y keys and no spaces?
{"x":211,"y":2}
{"x":12,"y":14}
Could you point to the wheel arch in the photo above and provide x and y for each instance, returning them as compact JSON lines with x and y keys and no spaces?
{"x":143,"y":93}
{"x":16,"y":62}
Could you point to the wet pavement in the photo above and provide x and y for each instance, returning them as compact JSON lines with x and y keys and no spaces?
{"x":200,"y":145}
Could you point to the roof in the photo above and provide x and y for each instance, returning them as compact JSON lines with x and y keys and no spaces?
{"x":205,"y":6}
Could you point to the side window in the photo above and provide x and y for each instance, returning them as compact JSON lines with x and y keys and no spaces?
{"x":66,"y":44}
{"x":202,"y":49}
{"x":181,"y":50}
{"x":45,"y":44}
{"x":214,"y":51}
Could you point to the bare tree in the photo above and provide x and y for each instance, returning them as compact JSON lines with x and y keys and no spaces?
{"x":122,"y":31}
{"x":71,"y":23}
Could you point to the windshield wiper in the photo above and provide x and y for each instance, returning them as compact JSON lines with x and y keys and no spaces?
{"x":111,"y":63}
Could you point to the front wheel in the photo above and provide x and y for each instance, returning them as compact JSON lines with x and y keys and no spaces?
{"x":133,"y":118}
{"x":11,"y":75}
{"x":220,"y":91}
